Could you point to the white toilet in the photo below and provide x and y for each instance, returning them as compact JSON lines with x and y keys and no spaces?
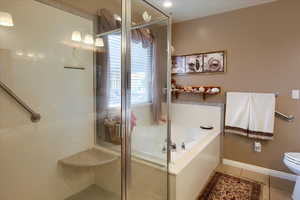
{"x":292,"y":161}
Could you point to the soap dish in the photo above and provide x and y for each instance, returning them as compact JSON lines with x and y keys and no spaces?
{"x":205,"y":127}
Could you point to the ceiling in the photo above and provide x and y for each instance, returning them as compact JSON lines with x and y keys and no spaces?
{"x":183,"y":10}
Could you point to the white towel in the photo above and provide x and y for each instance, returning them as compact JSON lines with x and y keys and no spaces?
{"x":262,"y":115}
{"x":250,"y":114}
{"x":237,"y":112}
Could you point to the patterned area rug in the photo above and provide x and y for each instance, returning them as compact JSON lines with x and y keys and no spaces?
{"x":225,"y":187}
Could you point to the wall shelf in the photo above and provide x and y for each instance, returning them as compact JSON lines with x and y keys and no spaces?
{"x":194,"y":90}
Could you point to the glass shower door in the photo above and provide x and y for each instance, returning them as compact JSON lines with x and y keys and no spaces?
{"x":97,"y":73}
{"x":135,"y":89}
{"x":49,"y":54}
{"x":149,"y":100}
{"x":132,"y":102}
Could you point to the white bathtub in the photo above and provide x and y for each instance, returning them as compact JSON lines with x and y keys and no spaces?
{"x":186,"y":139}
{"x":148,"y":141}
{"x":180,"y":135}
{"x":191,"y":167}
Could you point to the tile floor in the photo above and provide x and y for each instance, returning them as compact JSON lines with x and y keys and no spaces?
{"x":273,"y":188}
{"x":94,"y":193}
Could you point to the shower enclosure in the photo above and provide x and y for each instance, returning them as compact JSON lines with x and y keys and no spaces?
{"x":84,"y":100}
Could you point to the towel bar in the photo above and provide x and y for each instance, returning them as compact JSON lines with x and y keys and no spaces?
{"x":288,"y":118}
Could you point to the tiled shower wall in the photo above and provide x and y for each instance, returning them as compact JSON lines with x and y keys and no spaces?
{"x":33,"y":54}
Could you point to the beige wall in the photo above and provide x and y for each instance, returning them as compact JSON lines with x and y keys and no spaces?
{"x":263,"y":45}
{"x":32,"y":59}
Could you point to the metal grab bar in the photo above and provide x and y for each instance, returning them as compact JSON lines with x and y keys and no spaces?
{"x":288,"y":118}
{"x":35,"y":117}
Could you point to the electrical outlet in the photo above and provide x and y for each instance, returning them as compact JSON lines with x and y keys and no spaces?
{"x":295,"y":94}
{"x":257,"y":147}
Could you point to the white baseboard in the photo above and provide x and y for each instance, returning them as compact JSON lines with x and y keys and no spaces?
{"x":262,"y":170}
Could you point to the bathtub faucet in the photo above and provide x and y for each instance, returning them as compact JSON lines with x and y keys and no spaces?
{"x":183,"y":146}
{"x":164,"y":149}
{"x":173,"y":147}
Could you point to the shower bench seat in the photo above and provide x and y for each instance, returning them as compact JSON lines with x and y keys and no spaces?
{"x":88,"y":158}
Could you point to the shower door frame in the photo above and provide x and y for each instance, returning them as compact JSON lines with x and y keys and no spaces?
{"x":125,"y":98}
{"x":126,"y":95}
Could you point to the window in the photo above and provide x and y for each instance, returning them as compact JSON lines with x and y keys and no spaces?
{"x":141,"y":72}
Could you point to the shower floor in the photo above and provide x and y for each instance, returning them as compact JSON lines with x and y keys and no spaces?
{"x":94,"y":192}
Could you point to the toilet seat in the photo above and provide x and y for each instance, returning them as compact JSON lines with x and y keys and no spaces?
{"x":295,"y":164}
{"x":292,"y":161}
{"x":293,"y":157}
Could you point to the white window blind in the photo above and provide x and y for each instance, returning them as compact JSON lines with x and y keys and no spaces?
{"x":141,"y":72}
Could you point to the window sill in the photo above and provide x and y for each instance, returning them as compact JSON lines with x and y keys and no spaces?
{"x":139,"y":105}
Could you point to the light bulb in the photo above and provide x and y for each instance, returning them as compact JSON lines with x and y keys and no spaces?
{"x":167,"y":4}
{"x":30,"y":55}
{"x":19,"y":53}
{"x":99,"y":42}
{"x":76,"y":36}
{"x":88,"y":39}
{"x":6,"y":19}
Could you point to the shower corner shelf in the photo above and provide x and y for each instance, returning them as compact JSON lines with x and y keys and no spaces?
{"x":88,"y":158}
